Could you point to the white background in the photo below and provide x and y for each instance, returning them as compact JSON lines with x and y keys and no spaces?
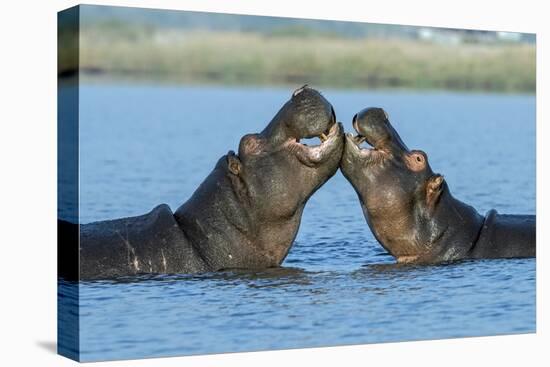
{"x":28,"y":182}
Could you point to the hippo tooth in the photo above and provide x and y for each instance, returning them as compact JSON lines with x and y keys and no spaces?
{"x":323,"y":137}
{"x":359,"y":139}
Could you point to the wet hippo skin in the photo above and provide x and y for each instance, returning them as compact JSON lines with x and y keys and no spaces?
{"x":245,"y":214}
{"x":410,"y":209}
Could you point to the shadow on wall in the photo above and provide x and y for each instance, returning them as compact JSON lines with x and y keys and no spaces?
{"x":48,"y":345}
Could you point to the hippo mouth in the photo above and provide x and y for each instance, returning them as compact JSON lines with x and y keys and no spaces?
{"x":311,"y":155}
{"x":371,"y":152}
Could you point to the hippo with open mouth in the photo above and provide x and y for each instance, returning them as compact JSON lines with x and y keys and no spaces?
{"x":245,"y":214}
{"x":411,"y":211}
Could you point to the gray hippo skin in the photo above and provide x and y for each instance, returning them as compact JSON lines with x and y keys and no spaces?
{"x":411,"y":211}
{"x":245,"y":214}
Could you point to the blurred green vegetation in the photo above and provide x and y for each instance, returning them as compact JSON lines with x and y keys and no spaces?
{"x":296,"y":56}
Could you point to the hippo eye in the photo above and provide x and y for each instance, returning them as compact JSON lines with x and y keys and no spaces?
{"x":415,"y":161}
{"x":419,"y":159}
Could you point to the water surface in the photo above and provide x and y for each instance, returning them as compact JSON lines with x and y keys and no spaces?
{"x":145,"y":145}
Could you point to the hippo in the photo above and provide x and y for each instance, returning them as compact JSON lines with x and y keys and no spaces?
{"x":244,"y":215}
{"x":410,"y":209}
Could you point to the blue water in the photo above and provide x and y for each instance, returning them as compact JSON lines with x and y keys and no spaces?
{"x":146,"y":145}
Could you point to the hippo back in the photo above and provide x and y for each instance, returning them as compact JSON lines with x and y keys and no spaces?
{"x":506,"y":236}
{"x":149,"y":243}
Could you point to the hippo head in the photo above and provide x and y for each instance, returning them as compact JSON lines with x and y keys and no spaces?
{"x":247,"y":213}
{"x":398,"y":191}
{"x":278,"y":171}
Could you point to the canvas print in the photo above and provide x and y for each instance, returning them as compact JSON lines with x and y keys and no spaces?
{"x":231,"y":183}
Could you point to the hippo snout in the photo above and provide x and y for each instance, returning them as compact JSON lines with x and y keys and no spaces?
{"x":373,"y":126}
{"x":371,"y":123}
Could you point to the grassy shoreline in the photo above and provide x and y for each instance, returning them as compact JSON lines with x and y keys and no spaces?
{"x":249,"y":58}
{"x":95,"y":79}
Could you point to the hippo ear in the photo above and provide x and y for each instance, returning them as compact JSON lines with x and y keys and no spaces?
{"x":434,"y":188}
{"x":233,"y":163}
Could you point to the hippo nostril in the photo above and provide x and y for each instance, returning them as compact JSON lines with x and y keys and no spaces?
{"x":299,"y":90}
{"x":354,"y":118}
